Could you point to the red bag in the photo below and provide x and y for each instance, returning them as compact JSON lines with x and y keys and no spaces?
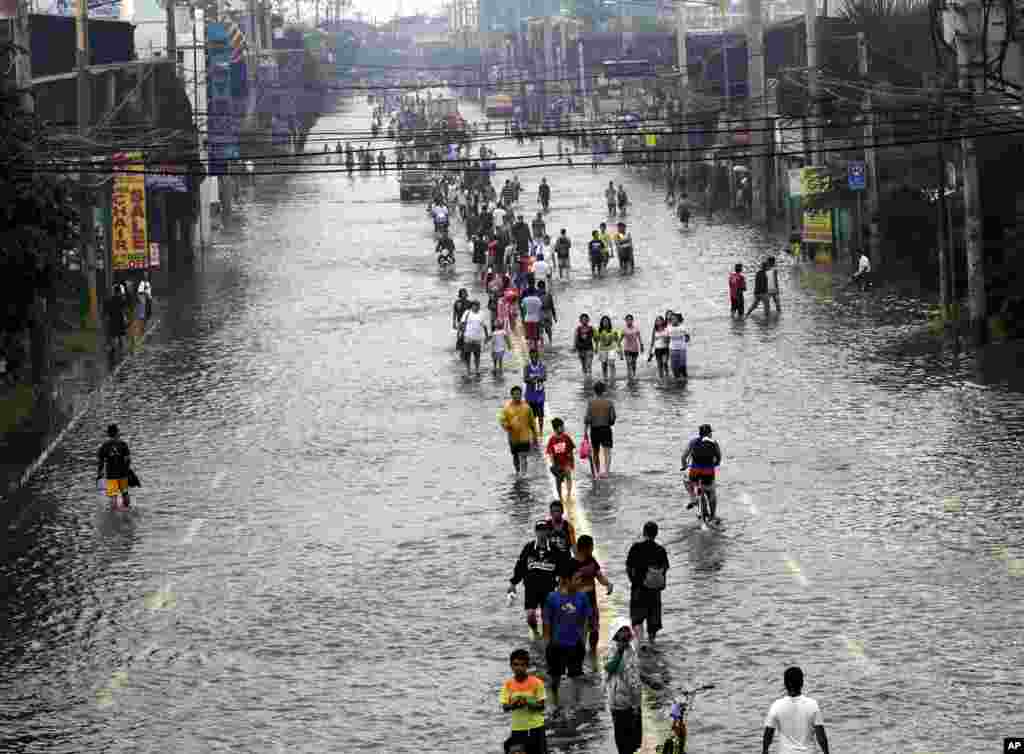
{"x":585,"y":448}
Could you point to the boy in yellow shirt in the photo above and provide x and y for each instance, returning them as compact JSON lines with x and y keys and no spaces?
{"x":516,"y":418}
{"x":523,"y":696}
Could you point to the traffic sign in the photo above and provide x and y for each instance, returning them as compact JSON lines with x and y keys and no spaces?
{"x":855,"y":176}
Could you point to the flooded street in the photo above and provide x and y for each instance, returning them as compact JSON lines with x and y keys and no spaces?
{"x":329,"y":516}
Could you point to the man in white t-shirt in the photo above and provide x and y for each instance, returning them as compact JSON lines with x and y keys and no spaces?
{"x":863,"y":269}
{"x":474,"y":332}
{"x":533,"y":309}
{"x":796,"y":717}
{"x":541,"y":269}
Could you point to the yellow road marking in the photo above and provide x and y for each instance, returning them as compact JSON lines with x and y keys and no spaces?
{"x":793,"y":567}
{"x":161,"y":599}
{"x":608,"y":605}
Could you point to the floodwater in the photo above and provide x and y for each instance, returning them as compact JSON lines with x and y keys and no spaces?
{"x":321,"y":549}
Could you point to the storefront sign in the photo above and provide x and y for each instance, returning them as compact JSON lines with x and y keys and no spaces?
{"x":128,"y":216}
{"x":817,"y":226}
{"x":816,"y":180}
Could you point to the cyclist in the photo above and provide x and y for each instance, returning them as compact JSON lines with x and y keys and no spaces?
{"x":704,"y":456}
{"x":544,"y":194}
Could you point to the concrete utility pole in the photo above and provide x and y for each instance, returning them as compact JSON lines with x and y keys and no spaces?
{"x":172,"y":35}
{"x":23,"y":58}
{"x":758,"y":135}
{"x":870,"y":158}
{"x":970,"y":59}
{"x":811,"y":25}
{"x":86,"y":241}
{"x":684,"y":91}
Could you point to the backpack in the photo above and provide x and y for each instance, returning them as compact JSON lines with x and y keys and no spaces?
{"x":654,"y":578}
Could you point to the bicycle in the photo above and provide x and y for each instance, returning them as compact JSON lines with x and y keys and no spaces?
{"x":681,"y":707}
{"x":702,"y":502}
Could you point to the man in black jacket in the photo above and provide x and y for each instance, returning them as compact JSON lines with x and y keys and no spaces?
{"x":646,"y":566}
{"x":537,"y":567}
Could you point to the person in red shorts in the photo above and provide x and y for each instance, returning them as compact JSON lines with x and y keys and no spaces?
{"x":561,"y":450}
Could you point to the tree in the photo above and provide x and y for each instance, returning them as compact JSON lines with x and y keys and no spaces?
{"x":38,"y":215}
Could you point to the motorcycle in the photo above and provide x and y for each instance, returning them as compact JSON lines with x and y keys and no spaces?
{"x":446,"y":263}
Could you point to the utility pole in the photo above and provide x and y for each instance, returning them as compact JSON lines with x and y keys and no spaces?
{"x":86,"y":241}
{"x":758,"y":133}
{"x":811,"y":25}
{"x":23,"y":57}
{"x":870,"y":156}
{"x":971,"y":61}
{"x":172,"y":35}
{"x":944,"y":240}
{"x":684,"y":91}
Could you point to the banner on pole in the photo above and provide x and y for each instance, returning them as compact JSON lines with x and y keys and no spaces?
{"x":128,"y":220}
{"x":815,"y":180}
{"x":817,"y":226}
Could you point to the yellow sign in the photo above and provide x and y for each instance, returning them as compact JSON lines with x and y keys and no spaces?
{"x":815,"y":180}
{"x":129,"y":245}
{"x":652,"y":140}
{"x":817,"y":226}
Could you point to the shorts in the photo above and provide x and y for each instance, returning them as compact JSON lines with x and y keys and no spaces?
{"x":600,"y":437}
{"x":470,"y":347}
{"x":561,"y":473}
{"x":534,"y":600}
{"x":117,"y":487}
{"x":737,"y":303}
{"x":631,"y":356}
{"x":607,"y":357}
{"x":564,"y":660}
{"x":595,"y":618}
{"x":563,"y":262}
{"x":535,"y":740}
{"x":661,"y":354}
{"x":537,"y":407}
{"x":645,"y":606}
{"x":708,"y":480}
{"x":532,"y":330}
{"x":678,"y":360}
{"x":519,"y":447}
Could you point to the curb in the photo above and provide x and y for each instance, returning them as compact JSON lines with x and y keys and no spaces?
{"x":87,"y":404}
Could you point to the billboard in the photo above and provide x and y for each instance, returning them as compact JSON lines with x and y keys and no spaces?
{"x":223,"y":118}
{"x":129,"y":245}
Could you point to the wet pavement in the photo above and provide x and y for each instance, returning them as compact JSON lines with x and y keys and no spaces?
{"x":329,"y":518}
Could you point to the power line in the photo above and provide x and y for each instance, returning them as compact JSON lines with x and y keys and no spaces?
{"x":733,"y":152}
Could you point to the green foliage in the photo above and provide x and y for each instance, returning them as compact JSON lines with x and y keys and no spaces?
{"x":15,"y":406}
{"x":875,"y":13}
{"x":38,"y":218}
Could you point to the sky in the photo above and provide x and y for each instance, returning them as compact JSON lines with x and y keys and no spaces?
{"x":387,"y":8}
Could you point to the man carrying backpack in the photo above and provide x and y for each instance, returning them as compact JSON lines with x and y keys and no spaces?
{"x":646,"y":566}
